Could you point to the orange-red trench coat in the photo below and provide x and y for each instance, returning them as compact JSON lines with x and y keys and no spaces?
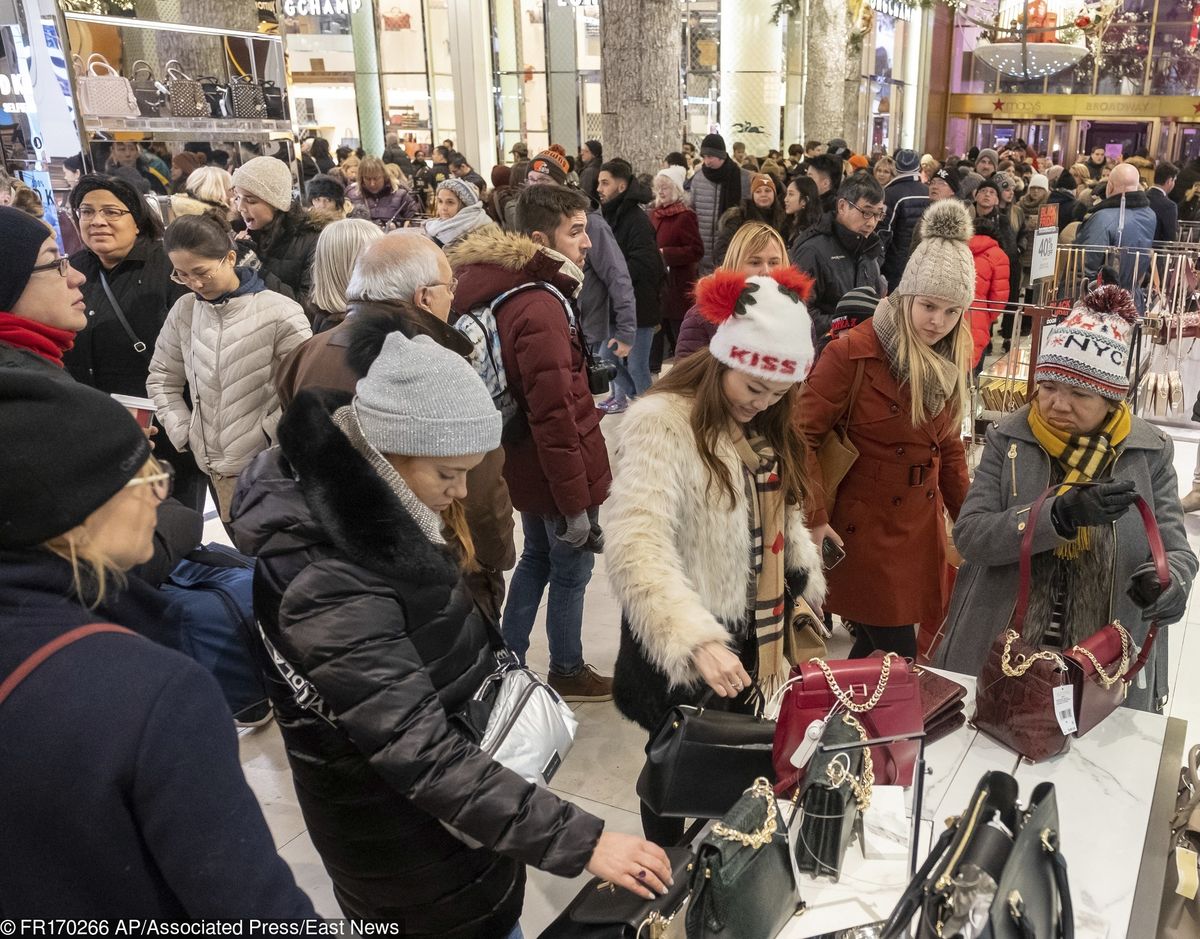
{"x":889,"y":507}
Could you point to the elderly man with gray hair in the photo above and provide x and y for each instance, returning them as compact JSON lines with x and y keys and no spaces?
{"x":403,"y":283}
{"x":1123,"y":220}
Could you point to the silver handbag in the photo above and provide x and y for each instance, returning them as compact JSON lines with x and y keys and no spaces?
{"x":103,"y":91}
{"x":530,"y":729}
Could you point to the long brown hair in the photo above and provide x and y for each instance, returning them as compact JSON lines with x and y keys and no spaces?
{"x":461,"y":542}
{"x":699,"y":377}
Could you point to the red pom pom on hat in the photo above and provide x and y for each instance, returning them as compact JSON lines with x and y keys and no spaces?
{"x":1111,"y":300}
{"x":717,"y":294}
{"x":794,"y":281}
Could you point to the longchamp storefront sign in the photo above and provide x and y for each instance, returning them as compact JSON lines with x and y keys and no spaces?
{"x":1029,"y":106}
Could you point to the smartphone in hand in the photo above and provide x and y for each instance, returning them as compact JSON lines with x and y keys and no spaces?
{"x":831,"y":553}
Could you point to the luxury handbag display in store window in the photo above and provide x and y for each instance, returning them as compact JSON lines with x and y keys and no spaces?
{"x":217,"y":94}
{"x":150,"y":93}
{"x":1033,"y":700}
{"x":248,"y":99}
{"x":185,"y":97}
{"x":605,"y":911}
{"x":701,"y":760}
{"x":103,"y":91}
{"x":274,"y":101}
{"x":742,"y":884}
{"x":881,"y":691}
{"x":997,"y":871}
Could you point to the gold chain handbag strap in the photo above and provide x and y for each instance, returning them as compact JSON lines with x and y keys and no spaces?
{"x":1025,"y":663}
{"x":847,"y":701}
{"x":1106,"y":680}
{"x":754,"y":839}
{"x":839,"y":773}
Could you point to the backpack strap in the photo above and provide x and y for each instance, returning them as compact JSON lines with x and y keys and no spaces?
{"x":22,"y":671}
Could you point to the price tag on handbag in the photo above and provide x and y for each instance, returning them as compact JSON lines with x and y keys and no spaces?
{"x":1064,"y":708}
{"x":1186,"y":866}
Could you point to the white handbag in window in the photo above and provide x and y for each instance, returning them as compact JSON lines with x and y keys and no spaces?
{"x":103,"y":91}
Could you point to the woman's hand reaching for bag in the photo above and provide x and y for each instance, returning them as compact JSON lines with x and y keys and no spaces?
{"x":638,"y":865}
{"x":721,"y":669}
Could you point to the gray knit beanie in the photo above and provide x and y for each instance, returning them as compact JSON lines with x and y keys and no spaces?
{"x":467,"y":193}
{"x":269,"y":179}
{"x":421,"y":399}
{"x":942,"y":264}
{"x":987,"y":153}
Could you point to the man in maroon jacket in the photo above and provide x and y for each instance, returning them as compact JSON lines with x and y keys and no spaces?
{"x":556,"y":462}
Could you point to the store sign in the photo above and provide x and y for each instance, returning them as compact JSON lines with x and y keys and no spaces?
{"x":18,"y":86}
{"x":1045,"y":243}
{"x":1003,"y":106}
{"x":320,"y":7}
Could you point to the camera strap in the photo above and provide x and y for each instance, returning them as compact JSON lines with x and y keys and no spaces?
{"x":589,"y":360}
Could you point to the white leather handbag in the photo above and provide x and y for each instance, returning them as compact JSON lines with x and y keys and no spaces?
{"x":103,"y":91}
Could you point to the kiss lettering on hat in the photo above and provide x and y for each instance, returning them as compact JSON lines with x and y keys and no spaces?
{"x":768,"y":363}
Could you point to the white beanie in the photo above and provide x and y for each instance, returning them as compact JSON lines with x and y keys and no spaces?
{"x":1039,"y":180}
{"x":268,"y":178}
{"x":763,"y":326}
{"x":677,"y":175}
{"x":1089,"y":349}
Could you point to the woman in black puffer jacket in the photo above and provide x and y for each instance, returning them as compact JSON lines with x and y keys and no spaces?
{"x":373,"y":625}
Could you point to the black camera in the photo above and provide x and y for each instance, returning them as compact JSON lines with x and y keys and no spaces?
{"x":600,"y":376}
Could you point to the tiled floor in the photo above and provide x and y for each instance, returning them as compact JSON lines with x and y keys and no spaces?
{"x":600,"y":772}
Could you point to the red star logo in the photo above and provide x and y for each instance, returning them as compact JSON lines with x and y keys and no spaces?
{"x":998,"y":105}
{"x":1196,"y":107}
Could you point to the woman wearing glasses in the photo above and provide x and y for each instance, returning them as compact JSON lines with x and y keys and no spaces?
{"x":224,"y":340}
{"x":123,"y":792}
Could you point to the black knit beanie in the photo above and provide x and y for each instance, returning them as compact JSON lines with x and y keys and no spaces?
{"x":21,"y":240}
{"x":714,"y":146}
{"x":71,"y":449}
{"x":326,"y":187}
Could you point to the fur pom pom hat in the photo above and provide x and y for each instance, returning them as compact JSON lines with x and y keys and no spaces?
{"x":1090,"y":348}
{"x":763,"y":325}
{"x":942,"y":265}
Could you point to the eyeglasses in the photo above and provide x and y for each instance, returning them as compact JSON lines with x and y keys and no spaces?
{"x":878,"y":216}
{"x":161,"y":483}
{"x":452,"y":286}
{"x":110,"y":213}
{"x":202,"y":280}
{"x":62,"y":264}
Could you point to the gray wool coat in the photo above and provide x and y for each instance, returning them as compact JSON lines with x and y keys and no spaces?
{"x":1013,"y":471}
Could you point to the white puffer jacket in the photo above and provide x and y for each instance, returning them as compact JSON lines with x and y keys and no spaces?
{"x":678,"y":555}
{"x":228,"y":354}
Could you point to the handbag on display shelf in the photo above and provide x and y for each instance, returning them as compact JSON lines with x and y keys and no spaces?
{"x":396,"y":20}
{"x":149,"y":92}
{"x":942,"y":707}
{"x":1032,"y":700}
{"x":605,"y":911}
{"x":836,"y":454}
{"x":184,"y":94}
{"x":881,"y":691}
{"x":248,"y":100}
{"x":836,"y":790}
{"x":701,"y":760}
{"x":274,"y":101}
{"x":220,"y":101}
{"x":997,"y":868}
{"x":1180,"y":914}
{"x":742,"y":883}
{"x":103,"y":91}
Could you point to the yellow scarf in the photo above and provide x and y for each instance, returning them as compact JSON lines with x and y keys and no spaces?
{"x":1083,"y":457}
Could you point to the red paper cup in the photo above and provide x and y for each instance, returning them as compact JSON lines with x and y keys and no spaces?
{"x":142,"y":409}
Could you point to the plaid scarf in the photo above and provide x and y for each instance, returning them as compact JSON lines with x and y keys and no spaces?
{"x":765,"y":591}
{"x":1082,"y":458}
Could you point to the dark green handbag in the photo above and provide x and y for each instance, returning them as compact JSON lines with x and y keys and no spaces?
{"x":836,"y":788}
{"x":742,"y":886}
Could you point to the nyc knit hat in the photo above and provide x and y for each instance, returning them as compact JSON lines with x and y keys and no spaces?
{"x":467,"y":194}
{"x":78,"y":448}
{"x":421,"y":399}
{"x":714,"y":146}
{"x":326,"y":187}
{"x":763,"y":325}
{"x":21,"y":240}
{"x":942,"y":264}
{"x":1037,"y":180}
{"x":759,"y":180}
{"x":987,"y":153}
{"x":268,"y":178}
{"x":949,"y":177}
{"x":1090,"y":348}
{"x":907,"y":161}
{"x":552,"y":163}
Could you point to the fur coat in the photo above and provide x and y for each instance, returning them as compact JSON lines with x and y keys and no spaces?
{"x":678,"y":556}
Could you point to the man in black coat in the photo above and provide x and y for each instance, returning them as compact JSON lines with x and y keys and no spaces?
{"x":842,"y":251}
{"x":1165,"y":209}
{"x":1189,"y":176}
{"x":906,"y":199}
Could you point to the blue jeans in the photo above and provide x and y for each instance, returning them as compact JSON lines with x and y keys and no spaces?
{"x":516,"y":933}
{"x":548,"y":560}
{"x":633,"y":374}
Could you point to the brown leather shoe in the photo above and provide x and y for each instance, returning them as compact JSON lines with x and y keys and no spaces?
{"x":585,"y":685}
{"x":1191,"y":502}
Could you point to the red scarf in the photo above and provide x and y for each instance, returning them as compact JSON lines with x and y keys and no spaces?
{"x":46,"y":341}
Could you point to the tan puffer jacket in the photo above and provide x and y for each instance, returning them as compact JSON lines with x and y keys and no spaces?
{"x":228,"y":354}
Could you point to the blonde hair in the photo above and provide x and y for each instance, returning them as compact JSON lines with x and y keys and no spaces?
{"x":1079,"y":172}
{"x":338,"y":247}
{"x":455,"y":519}
{"x":749,"y":240}
{"x":918,"y":364}
{"x":396,"y":175}
{"x":888,"y":164}
{"x":92,"y":569}
{"x":210,"y":184}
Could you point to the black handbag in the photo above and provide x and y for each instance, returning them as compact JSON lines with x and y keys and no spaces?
{"x":273,"y":100}
{"x":604,"y":911}
{"x":996,"y":854}
{"x":742,"y":882}
{"x":151,"y":94}
{"x":701,"y":760}
{"x":220,"y":103}
{"x":837,"y":787}
{"x":247,"y":98}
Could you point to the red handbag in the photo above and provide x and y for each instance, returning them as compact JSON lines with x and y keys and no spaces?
{"x":1015,"y":695}
{"x":881,"y":692}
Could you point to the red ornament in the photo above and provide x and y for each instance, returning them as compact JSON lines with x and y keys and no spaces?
{"x":717,"y":295}
{"x":1083,"y":22}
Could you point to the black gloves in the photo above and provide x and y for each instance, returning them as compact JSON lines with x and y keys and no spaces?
{"x":1091,"y":505}
{"x":1165,"y":606}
